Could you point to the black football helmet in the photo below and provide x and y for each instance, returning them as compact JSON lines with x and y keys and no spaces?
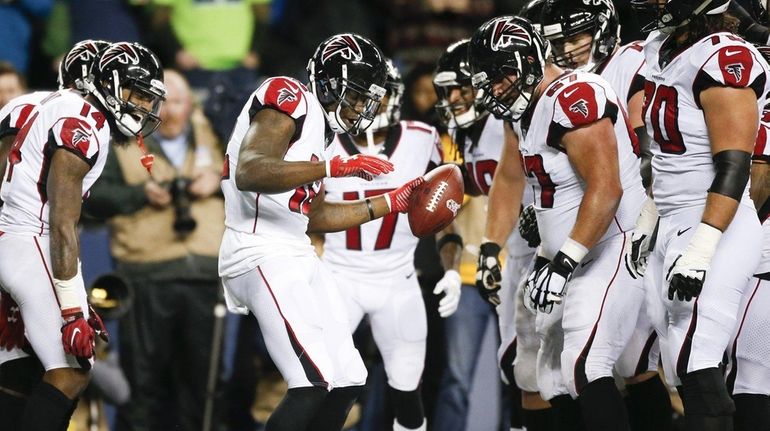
{"x":75,"y":65}
{"x":507,"y":50}
{"x":533,"y":11}
{"x":348,"y":71}
{"x":394,"y":89}
{"x":677,"y":13}
{"x":758,"y":11}
{"x":563,"y":19}
{"x":453,"y":72}
{"x":124,"y":74}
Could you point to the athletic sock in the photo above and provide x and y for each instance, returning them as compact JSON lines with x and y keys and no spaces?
{"x":567,"y":413}
{"x":297,"y":408}
{"x":602,"y":406}
{"x":649,"y":405}
{"x":752,"y":412}
{"x":539,"y":420}
{"x":47,"y":409}
{"x":408,"y":408}
{"x":335,"y":408}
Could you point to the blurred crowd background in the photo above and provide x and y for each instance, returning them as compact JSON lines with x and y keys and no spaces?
{"x":178,"y":361}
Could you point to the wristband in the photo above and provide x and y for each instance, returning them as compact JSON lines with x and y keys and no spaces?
{"x":574,"y":250}
{"x":387,"y":199}
{"x":450,"y":237}
{"x":370,"y":208}
{"x":328,"y":167}
{"x":68,"y":293}
{"x":704,"y":241}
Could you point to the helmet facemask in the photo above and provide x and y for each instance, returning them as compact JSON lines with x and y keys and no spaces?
{"x":133,"y":104}
{"x":394,"y":92}
{"x":516,"y":97}
{"x":674,"y":14}
{"x":340,"y":95}
{"x":463,"y":112}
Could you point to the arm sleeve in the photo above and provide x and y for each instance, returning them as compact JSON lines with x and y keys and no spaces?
{"x":730,"y":66}
{"x":577,"y":105}
{"x":111,"y":196}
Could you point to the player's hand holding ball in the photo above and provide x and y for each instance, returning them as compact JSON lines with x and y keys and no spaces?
{"x":398,"y":200}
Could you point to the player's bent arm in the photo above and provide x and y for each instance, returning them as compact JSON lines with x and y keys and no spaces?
{"x":732,"y":133}
{"x":637,"y":123}
{"x":65,"y":188}
{"x":261,"y":167}
{"x":449,"y":245}
{"x":593,"y":153}
{"x":506,"y":191}
{"x":328,"y":216}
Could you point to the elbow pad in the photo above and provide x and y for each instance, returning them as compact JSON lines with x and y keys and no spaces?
{"x":733,"y":168}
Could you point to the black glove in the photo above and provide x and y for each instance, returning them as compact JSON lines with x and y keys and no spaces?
{"x":528,"y":226}
{"x":488,"y":275}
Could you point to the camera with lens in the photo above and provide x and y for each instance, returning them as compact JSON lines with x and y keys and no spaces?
{"x":184,"y":223}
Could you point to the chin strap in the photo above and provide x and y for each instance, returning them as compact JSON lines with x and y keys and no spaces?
{"x":147,"y":158}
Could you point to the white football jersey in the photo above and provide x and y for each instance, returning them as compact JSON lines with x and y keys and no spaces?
{"x":682,"y":163}
{"x":573,"y":100}
{"x":624,"y":71}
{"x":386,"y":244}
{"x":61,"y":120}
{"x":16,"y":112}
{"x":762,"y":153}
{"x":257,"y":224}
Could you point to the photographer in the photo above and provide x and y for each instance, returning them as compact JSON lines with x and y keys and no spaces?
{"x":165,"y":233}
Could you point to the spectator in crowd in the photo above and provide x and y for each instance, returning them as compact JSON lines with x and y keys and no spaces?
{"x":166,"y":230}
{"x":16,"y":23}
{"x":11,"y":83}
{"x":230,"y":42}
{"x":112,"y":20}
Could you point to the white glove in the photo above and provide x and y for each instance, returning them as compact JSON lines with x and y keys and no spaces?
{"x":547,"y":286}
{"x":638,"y":249}
{"x":688,"y":272}
{"x":450,"y":284}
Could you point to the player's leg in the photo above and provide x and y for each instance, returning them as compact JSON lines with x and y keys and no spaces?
{"x":649,"y":404}
{"x":537,"y":414}
{"x":349,"y":371}
{"x":700,"y":330}
{"x":51,"y":402}
{"x":748,"y":376}
{"x":18,"y":377}
{"x":516,"y":266}
{"x":464,"y":335}
{"x":399,"y":328}
{"x":600,"y":312}
{"x":291,"y":321}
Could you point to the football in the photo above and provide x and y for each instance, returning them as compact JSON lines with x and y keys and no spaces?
{"x":436,"y":202}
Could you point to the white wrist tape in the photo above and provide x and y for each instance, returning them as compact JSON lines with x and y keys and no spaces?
{"x":68,"y":292}
{"x":575,"y":250}
{"x":704,"y":242}
{"x":648,"y":217}
{"x":387,"y":200}
{"x":328,"y":164}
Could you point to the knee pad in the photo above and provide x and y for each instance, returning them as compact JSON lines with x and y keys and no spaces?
{"x":704,"y":392}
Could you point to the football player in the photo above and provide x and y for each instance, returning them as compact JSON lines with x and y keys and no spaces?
{"x":374,"y":263}
{"x":42,"y":193}
{"x":19,"y":372}
{"x":580,"y":157}
{"x":480,"y":138}
{"x":709,"y":238}
{"x":586,"y":35}
{"x":275,"y":164}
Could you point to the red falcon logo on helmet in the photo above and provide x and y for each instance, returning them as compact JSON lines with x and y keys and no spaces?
{"x":121,"y":52}
{"x":84,"y":51}
{"x":344,"y":45}
{"x":506,"y":32}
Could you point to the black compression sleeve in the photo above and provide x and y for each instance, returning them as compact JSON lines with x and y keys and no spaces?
{"x":733,"y":168}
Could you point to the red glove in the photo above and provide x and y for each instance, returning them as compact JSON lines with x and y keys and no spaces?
{"x":360,"y":165}
{"x":77,"y":335}
{"x":95,"y":321}
{"x":11,"y":324}
{"x":398,"y":200}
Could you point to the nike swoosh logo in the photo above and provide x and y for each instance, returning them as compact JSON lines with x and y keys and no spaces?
{"x":679,"y":233}
{"x":567,"y":94}
{"x":583,"y":265}
{"x":410,"y":275}
{"x":731,"y":53}
{"x":74,"y":334}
